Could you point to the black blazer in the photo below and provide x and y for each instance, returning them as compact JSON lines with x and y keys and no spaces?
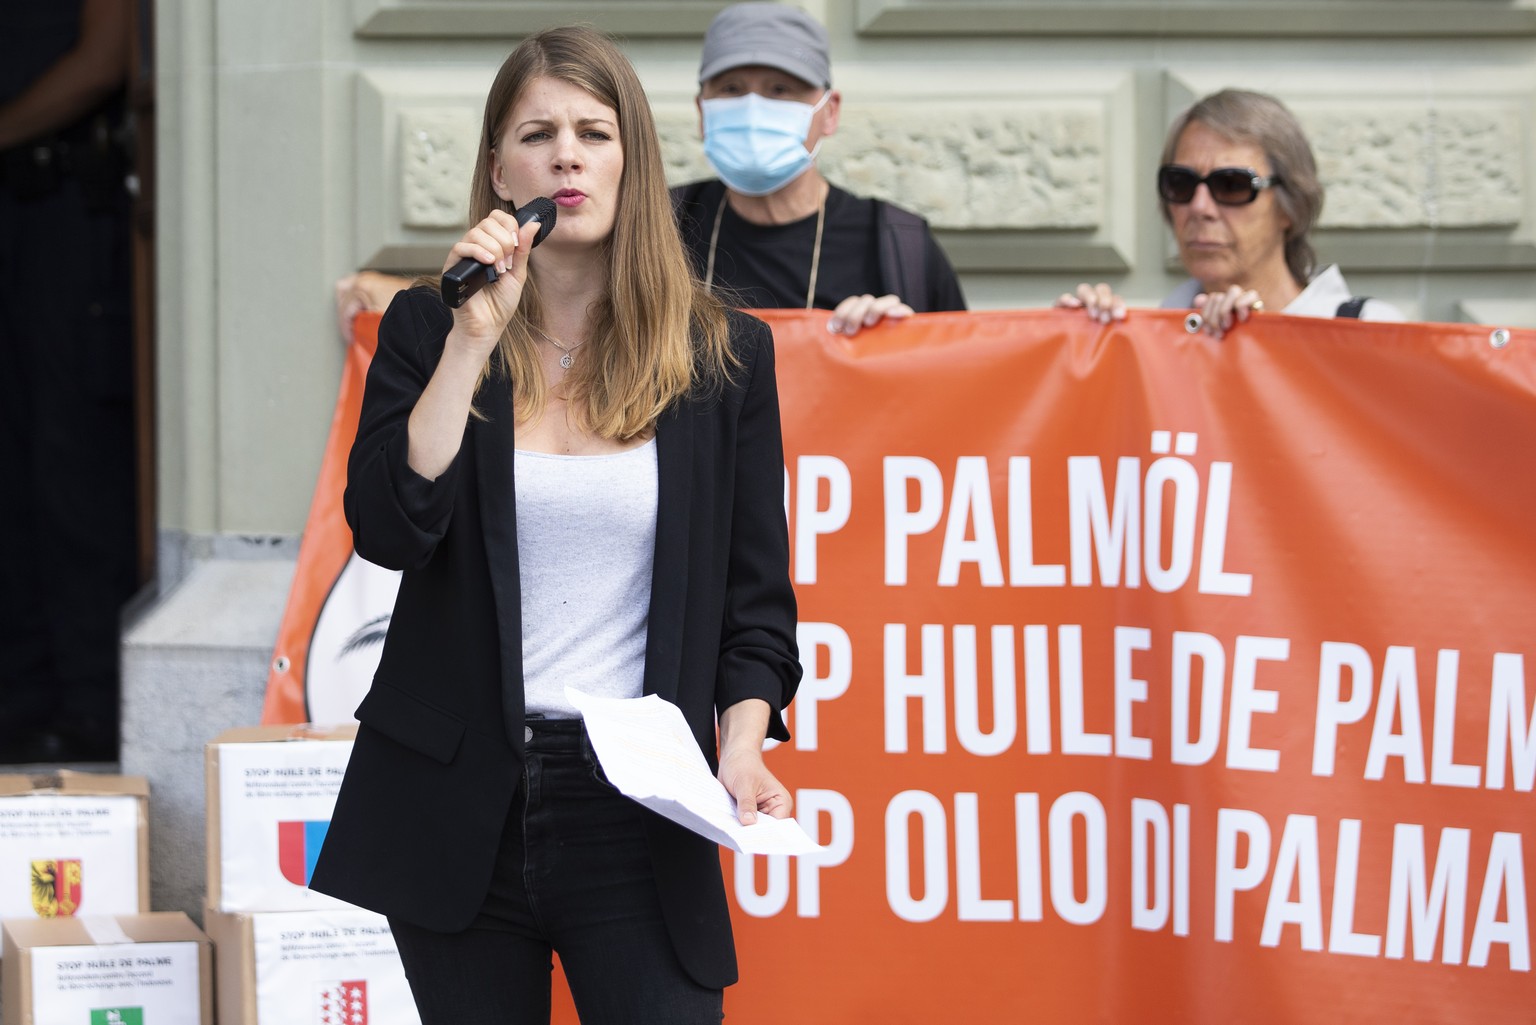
{"x":438,"y":754}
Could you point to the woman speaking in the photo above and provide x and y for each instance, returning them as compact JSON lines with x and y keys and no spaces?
{"x":580,"y":472}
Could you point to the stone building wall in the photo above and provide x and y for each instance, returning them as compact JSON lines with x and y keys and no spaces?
{"x":302,"y":139}
{"x":306,"y":138}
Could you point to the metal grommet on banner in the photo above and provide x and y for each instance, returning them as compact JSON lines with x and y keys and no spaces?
{"x":1193,"y":323}
{"x":1499,"y":338}
{"x":280,"y":664}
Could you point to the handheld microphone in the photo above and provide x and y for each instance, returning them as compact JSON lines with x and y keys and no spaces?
{"x":469,"y":275}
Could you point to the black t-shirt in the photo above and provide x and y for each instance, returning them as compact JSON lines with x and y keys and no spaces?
{"x":769,"y":266}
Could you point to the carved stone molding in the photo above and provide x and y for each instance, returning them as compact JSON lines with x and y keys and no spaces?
{"x":481,"y":19}
{"x":1189,"y":18}
{"x":1418,"y":173}
{"x":1011,"y":183}
{"x":1419,"y":166}
{"x":1014,"y":164}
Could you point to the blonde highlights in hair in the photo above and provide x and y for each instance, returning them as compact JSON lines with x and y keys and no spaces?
{"x":656,"y":333}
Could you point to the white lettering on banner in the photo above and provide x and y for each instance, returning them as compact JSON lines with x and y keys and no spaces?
{"x":971,"y":905}
{"x":1075,"y":739}
{"x":1214,"y":577}
{"x":902,"y":520}
{"x":1064,"y":857}
{"x":1508,"y":728}
{"x":1116,"y":537}
{"x":1296,"y":865}
{"x":933,"y":828}
{"x":1413,"y":906}
{"x":1129,"y":691}
{"x":823,"y":680}
{"x":1444,"y":769}
{"x":1127,"y":533}
{"x":1037,"y":690}
{"x":1333,"y":710}
{"x":1231,"y":877}
{"x":1504,"y":882}
{"x":1066,"y":808}
{"x":1429,"y":908}
{"x":1164,"y":862}
{"x":1026,"y":838}
{"x":811,"y":806}
{"x":771,"y":900}
{"x":1248,"y":700}
{"x":927,"y":686}
{"x":1005,"y":715}
{"x":1178,"y":474}
{"x":1342,"y":938}
{"x":1398,"y":698}
{"x":1511,"y":734}
{"x":1201,"y":748}
{"x":970,"y":506}
{"x":810,"y":520}
{"x":1022,"y":569}
{"x":930,"y":686}
{"x":1124,"y":537}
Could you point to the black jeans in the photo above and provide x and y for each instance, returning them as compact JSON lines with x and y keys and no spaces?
{"x":573,"y":876}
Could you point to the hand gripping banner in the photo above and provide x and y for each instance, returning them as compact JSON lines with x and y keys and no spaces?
{"x":1149,"y":678}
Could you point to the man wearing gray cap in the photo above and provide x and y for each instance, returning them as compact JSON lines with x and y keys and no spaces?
{"x":771,"y":232}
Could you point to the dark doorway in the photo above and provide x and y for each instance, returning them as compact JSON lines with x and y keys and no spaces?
{"x":76,"y":367}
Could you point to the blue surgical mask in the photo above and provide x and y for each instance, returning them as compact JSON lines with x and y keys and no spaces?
{"x":757,"y":145}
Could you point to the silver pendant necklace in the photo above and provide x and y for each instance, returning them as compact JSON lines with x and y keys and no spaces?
{"x":565,"y":350}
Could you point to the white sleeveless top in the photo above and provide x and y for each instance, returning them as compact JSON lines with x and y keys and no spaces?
{"x":586,"y":543}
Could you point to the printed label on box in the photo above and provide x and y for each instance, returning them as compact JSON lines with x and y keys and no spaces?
{"x":275,"y":803}
{"x":117,"y":984}
{"x":329,"y":968}
{"x":62,"y":856}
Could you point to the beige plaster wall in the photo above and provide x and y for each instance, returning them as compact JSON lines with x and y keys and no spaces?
{"x":301,"y":139}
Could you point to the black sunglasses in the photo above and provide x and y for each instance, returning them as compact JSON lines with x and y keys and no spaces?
{"x":1230,"y":186}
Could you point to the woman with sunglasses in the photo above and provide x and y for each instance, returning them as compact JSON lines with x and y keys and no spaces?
{"x":1238,"y":185}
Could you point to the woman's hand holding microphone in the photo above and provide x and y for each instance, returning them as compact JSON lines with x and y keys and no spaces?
{"x":499,"y":242}
{"x":436,"y":426}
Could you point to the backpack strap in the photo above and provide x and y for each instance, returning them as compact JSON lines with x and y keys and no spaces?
{"x":903,"y":254}
{"x":1352,"y":306}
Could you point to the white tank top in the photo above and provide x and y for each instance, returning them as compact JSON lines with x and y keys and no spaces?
{"x":586,"y":542}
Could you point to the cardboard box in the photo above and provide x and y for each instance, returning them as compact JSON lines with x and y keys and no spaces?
{"x":73,"y":843}
{"x":270,"y":792}
{"x":107,"y":970}
{"x":282,"y":967}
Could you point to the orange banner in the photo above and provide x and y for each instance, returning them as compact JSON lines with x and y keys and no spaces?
{"x":332,"y":630}
{"x":1151,"y":678}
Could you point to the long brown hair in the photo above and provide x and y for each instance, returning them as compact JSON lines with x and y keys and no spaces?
{"x":656,"y":334}
{"x":1257,"y":119}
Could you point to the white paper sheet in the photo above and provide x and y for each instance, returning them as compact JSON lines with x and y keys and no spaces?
{"x":649,"y":754}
